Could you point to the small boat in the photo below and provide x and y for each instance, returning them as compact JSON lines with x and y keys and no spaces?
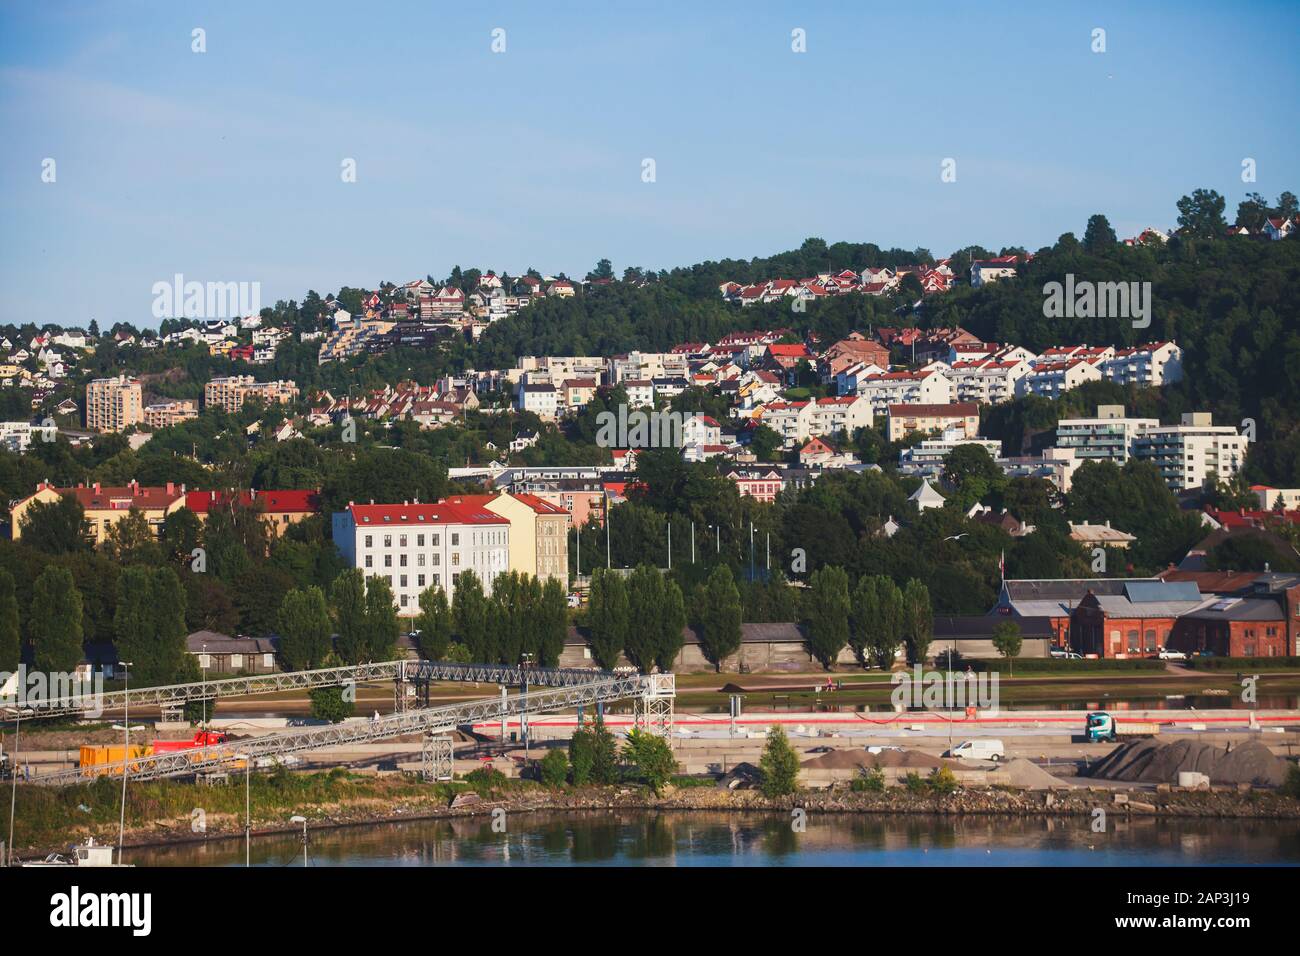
{"x":89,"y":853}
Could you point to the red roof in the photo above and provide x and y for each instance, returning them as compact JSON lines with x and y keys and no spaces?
{"x":439,"y":513}
{"x":99,"y":497}
{"x":277,"y":502}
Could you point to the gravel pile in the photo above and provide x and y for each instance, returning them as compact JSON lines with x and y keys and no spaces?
{"x":1027,"y":775}
{"x":849,"y":759}
{"x":1149,"y":761}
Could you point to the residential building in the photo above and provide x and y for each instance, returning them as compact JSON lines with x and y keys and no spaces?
{"x":230,"y":393}
{"x":416,"y":546}
{"x":1152,"y":365}
{"x":114,"y":404}
{"x":990,"y":270}
{"x":1188,"y":455}
{"x":539,"y":533}
{"x":542,"y":399}
{"x":278,"y":509}
{"x":172,"y":412}
{"x":963,"y":417}
{"x":763,"y":483}
{"x":924,"y":387}
{"x":1052,"y":379}
{"x":106,"y":505}
{"x":1100,"y":535}
{"x":1109,"y":436}
{"x":18,"y":436}
{"x":1274,"y":499}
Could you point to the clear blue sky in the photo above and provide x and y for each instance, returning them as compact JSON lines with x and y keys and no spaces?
{"x":225,"y":166}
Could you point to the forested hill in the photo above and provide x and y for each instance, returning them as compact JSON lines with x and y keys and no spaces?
{"x":1232,"y":303}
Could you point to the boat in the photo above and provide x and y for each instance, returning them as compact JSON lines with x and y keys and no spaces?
{"x":89,"y":853}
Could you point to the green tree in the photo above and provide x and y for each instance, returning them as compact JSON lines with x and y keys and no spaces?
{"x":828,"y":615}
{"x":645,"y":598}
{"x":1200,"y":215}
{"x":651,"y":756}
{"x":779,"y":764}
{"x":55,"y":527}
{"x":607,"y":617}
{"x":434,"y":623}
{"x":554,"y":768}
{"x":130,"y":540}
{"x":54,"y":624}
{"x":348,"y":604}
{"x":1007,"y":641}
{"x":10,"y":634}
{"x":919,"y":620}
{"x":552,"y":623}
{"x":1099,"y":236}
{"x":469,"y":613}
{"x":672,"y":625}
{"x":382,"y":627}
{"x":149,"y":624}
{"x":329,"y":703}
{"x":718,"y":615}
{"x":305,"y":629}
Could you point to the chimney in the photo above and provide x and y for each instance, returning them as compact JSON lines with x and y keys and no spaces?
{"x":171,"y":488}
{"x":96,"y":487}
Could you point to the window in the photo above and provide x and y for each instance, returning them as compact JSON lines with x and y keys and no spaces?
{"x":388,"y":560}
{"x":419,"y":541}
{"x":370,"y":541}
{"x":388,"y":541}
{"x":401,"y":541}
{"x":402,"y":560}
{"x":236,"y":660}
{"x":437,"y":559}
{"x":455,"y":560}
{"x":435,"y":539}
{"x":419,"y":560}
{"x":419,"y":580}
{"x":369,"y":561}
{"x":455,"y":538}
{"x":403,"y":580}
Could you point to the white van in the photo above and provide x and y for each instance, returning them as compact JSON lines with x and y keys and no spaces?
{"x":979,"y":749}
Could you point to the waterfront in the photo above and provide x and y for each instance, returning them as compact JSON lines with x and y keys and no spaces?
{"x":675,"y":838}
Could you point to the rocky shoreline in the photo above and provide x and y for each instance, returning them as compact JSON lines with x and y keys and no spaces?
{"x":1170,"y":804}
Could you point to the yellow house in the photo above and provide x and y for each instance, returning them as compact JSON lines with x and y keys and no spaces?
{"x":539,"y":533}
{"x":105,"y":506}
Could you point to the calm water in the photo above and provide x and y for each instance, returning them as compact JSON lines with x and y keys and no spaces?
{"x":758,"y":839}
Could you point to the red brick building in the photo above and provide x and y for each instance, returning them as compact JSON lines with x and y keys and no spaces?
{"x":1136,"y":623}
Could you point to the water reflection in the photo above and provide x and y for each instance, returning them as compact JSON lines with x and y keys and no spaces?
{"x":683,"y":839}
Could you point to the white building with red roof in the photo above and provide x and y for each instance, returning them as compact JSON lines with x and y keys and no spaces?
{"x":923,"y":387}
{"x":416,"y":545}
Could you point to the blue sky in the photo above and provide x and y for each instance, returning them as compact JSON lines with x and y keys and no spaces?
{"x":225,"y":165}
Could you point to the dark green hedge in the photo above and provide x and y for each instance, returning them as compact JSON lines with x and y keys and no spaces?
{"x":1241,"y":663}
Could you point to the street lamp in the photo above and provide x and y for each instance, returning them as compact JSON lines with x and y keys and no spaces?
{"x":248,"y":814}
{"x":126,"y":749}
{"x":303,"y":821}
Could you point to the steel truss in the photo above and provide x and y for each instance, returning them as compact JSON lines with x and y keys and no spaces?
{"x":436,"y":757}
{"x":173,"y":697}
{"x":432,"y":720}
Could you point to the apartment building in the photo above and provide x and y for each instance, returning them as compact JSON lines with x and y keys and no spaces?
{"x":416,"y":546}
{"x":1151,"y":365}
{"x":106,"y":505}
{"x":18,"y":436}
{"x":230,"y":393}
{"x":963,"y":417}
{"x":925,"y":387}
{"x":114,"y":404}
{"x":557,"y":368}
{"x":1189,"y":454}
{"x":278,"y":509}
{"x":542,"y":399}
{"x":1110,"y":436}
{"x":647,"y":365}
{"x":1052,"y":379}
{"x":987,"y":381}
{"x":539,"y":533}
{"x":164,"y":414}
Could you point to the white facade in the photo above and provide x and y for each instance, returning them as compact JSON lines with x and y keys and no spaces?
{"x":926,"y":387}
{"x":416,"y":546}
{"x":1190,"y":454}
{"x":1110,"y":436}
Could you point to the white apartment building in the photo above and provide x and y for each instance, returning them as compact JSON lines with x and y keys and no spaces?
{"x":1110,"y":436}
{"x":988,"y":381}
{"x":418,"y":545}
{"x":561,"y":367}
{"x":927,"y":457}
{"x":542,"y":399}
{"x":1051,"y":379}
{"x":1191,"y":453}
{"x":1153,"y":364}
{"x":925,"y":387}
{"x":18,"y":436}
{"x":845,"y":414}
{"x":647,"y":365}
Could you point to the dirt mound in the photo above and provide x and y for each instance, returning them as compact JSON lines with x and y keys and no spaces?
{"x":1149,"y":761}
{"x":849,"y":759}
{"x":1027,"y":775}
{"x":743,"y":776}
